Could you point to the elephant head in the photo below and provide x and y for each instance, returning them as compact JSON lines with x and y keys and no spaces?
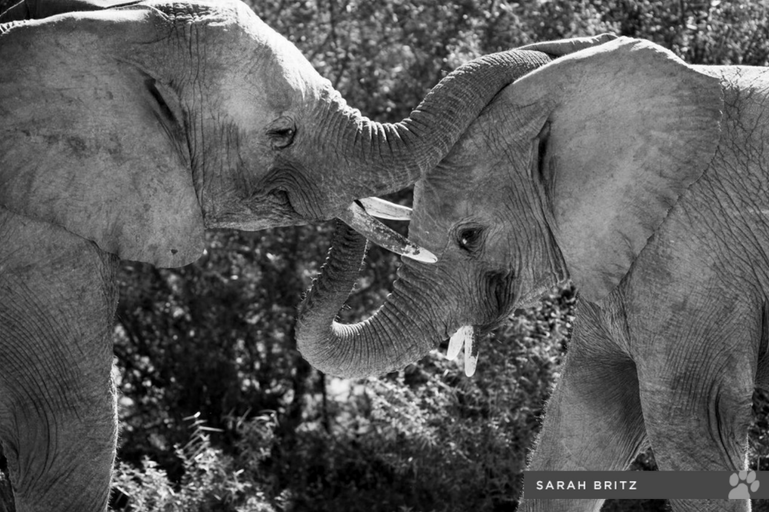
{"x":567,"y":173}
{"x":137,"y":126}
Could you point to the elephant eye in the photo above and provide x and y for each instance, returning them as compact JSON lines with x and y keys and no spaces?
{"x":469,"y":239}
{"x":281,"y":132}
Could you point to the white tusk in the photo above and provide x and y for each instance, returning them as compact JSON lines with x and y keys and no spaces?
{"x":384,"y":209}
{"x":457,"y":341}
{"x":471,"y":354}
{"x":357,"y":218}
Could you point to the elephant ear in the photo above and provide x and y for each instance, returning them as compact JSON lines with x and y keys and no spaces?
{"x":563,"y":47}
{"x":38,"y":9}
{"x":626,"y":128}
{"x":92,"y":143}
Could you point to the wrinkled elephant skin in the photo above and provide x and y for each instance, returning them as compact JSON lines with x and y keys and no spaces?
{"x":128,"y":128}
{"x":643,"y":179}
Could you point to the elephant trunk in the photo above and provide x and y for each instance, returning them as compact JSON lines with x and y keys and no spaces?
{"x":394,"y":337}
{"x":380,"y":158}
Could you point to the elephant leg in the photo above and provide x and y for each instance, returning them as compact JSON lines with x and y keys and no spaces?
{"x":593,"y":420}
{"x":57,"y":400}
{"x":696,"y":370}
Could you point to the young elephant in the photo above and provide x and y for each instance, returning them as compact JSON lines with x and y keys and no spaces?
{"x":643,"y":179}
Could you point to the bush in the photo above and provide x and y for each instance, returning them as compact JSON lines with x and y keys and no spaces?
{"x":212,"y":480}
{"x":428,"y":438}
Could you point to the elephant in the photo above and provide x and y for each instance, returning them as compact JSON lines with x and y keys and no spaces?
{"x":642,"y":179}
{"x":129,"y":128}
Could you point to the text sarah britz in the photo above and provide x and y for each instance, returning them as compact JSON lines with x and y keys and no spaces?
{"x":583,"y":485}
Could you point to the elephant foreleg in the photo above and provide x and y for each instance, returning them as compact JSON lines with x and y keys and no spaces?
{"x":57,"y":399}
{"x":593,"y":420}
{"x":697,"y":375}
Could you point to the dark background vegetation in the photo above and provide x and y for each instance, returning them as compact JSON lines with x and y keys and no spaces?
{"x":219,"y":412}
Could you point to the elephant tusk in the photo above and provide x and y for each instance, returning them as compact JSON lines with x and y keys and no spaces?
{"x":457,"y":341}
{"x":471,"y":353}
{"x":465,"y":336}
{"x":384,"y":209}
{"x":357,"y":218}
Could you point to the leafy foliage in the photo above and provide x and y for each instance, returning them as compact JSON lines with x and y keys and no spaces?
{"x":213,"y":338}
{"x":210,"y":482}
{"x":424,"y":439}
{"x":214,"y":341}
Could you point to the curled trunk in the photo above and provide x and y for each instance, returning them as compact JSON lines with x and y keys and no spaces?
{"x":357,"y":350}
{"x":443,"y":116}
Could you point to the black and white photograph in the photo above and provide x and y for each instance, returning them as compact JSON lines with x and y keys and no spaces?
{"x":384,"y":256}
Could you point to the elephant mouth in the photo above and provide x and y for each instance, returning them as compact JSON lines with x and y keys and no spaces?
{"x":501,"y":292}
{"x":273,"y":210}
{"x":470,"y":338}
{"x":280,"y":201}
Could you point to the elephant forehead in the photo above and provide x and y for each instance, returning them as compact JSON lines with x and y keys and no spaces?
{"x":288,"y":74}
{"x":270,"y":76}
{"x":256,"y":99}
